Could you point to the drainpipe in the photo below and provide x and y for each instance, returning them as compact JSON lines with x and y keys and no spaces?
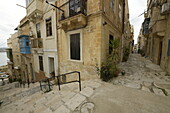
{"x":123,"y":28}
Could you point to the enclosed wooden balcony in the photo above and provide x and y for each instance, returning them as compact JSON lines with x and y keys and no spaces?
{"x":35,"y":8}
{"x":36,"y":43}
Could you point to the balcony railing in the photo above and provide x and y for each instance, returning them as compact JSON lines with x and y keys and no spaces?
{"x":146,"y":26}
{"x":36,"y":43}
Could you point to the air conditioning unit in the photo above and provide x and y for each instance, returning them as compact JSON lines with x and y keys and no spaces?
{"x":165,"y":9}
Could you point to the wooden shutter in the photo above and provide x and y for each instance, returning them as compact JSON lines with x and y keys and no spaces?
{"x":169,"y":48}
{"x":75,"y":46}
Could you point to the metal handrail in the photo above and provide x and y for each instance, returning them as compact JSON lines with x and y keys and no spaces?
{"x":69,"y":81}
{"x":59,"y":83}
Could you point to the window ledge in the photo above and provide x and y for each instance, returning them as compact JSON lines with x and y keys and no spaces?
{"x":50,"y":38}
{"x":78,"y":61}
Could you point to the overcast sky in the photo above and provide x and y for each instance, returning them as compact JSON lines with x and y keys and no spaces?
{"x":11,"y":14}
{"x":137,"y":7}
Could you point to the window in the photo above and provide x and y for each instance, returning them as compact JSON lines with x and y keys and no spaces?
{"x":77,"y":6}
{"x":169,"y":48}
{"x":112,"y":4}
{"x":75,"y":46}
{"x":48,"y":27}
{"x":74,"y":4}
{"x":110,"y":44}
{"x":38,"y":30}
{"x":41,"y":63}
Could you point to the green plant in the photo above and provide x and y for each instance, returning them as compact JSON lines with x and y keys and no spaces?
{"x":109,"y":68}
{"x":10,"y":79}
{"x":126,"y":54}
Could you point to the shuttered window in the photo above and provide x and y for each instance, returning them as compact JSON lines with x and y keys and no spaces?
{"x":48,"y":27}
{"x":169,"y":48}
{"x":75,"y":46}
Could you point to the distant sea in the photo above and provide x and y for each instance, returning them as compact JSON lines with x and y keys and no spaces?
{"x":3,"y":58}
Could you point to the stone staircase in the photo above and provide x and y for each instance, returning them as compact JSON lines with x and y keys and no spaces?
{"x":68,"y":100}
{"x":10,"y":93}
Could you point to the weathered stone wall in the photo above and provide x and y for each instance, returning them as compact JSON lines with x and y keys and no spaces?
{"x":165,"y":60}
{"x":91,"y":50}
{"x":102,"y":21}
{"x":107,"y":30}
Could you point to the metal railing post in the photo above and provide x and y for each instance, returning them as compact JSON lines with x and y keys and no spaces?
{"x":58,"y":82}
{"x":40,"y":85}
{"x":49,"y":84}
{"x":79,"y":81}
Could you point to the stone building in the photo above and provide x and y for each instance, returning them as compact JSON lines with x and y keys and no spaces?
{"x":27,"y":72}
{"x":20,"y":64}
{"x":43,"y":36}
{"x":73,"y":35}
{"x":14,"y":63}
{"x":156,"y":30}
{"x":85,"y":28}
{"x":128,"y":31}
{"x":141,"y":42}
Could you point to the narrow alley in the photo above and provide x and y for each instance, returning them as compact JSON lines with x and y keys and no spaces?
{"x":141,"y":73}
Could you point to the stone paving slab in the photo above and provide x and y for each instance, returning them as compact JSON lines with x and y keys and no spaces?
{"x":158,"y":92}
{"x":87,"y":92}
{"x":62,"y":109}
{"x":75,"y":101}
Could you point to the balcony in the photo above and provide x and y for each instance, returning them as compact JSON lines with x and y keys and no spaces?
{"x":145,"y":26}
{"x":35,"y":8}
{"x":24,"y":44}
{"x":36,"y":43}
{"x":74,"y":15}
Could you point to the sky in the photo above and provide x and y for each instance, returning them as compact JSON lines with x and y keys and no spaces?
{"x":137,"y":7}
{"x":11,"y":14}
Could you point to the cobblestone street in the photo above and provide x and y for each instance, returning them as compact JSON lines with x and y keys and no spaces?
{"x":141,"y":73}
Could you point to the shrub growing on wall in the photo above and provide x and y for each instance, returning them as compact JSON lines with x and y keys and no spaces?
{"x":126,"y":54}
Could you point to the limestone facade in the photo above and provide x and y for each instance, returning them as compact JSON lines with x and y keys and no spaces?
{"x":14,"y":64}
{"x":157,"y":39}
{"x":43,"y":34}
{"x":99,"y":21}
{"x":75,"y":36}
{"x":141,"y":41}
